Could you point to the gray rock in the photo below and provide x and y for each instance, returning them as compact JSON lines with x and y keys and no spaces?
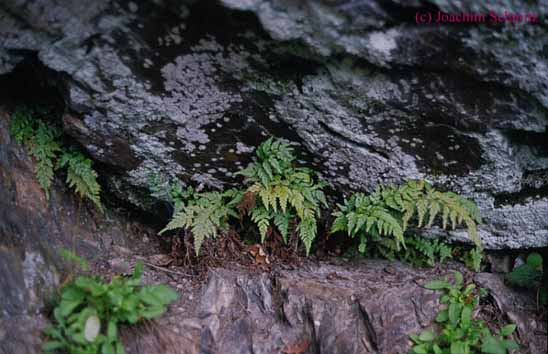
{"x":367,"y":99}
{"x":340,"y":307}
{"x":369,"y":307}
{"x":33,"y":230}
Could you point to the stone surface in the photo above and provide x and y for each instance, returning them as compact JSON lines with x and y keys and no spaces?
{"x":337,"y":307}
{"x":187,"y":89}
{"x":519,"y":308}
{"x":32,"y":232}
{"x":341,"y":307}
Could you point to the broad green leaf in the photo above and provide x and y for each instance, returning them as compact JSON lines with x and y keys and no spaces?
{"x":152,"y":312}
{"x":507,"y":330}
{"x":491,"y":345}
{"x":510,"y":344}
{"x":442,"y":316}
{"x":158,"y":295}
{"x":52,"y":345}
{"x":458,"y":278}
{"x":437,"y":285}
{"x":112,"y":330}
{"x":427,"y":336}
{"x":466,"y":316}
{"x":458,"y":348}
{"x":107,"y":348}
{"x":454,"y":313}
{"x":67,"y":306}
{"x":420,"y":349}
{"x":120,"y":348}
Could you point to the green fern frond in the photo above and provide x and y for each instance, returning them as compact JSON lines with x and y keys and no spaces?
{"x":261,"y":217}
{"x":388,"y":211}
{"x":22,"y":125}
{"x":205,"y":215}
{"x":307,"y":230}
{"x":281,"y":220}
{"x":282,"y":190}
{"x":81,"y":176}
{"x":43,"y":146}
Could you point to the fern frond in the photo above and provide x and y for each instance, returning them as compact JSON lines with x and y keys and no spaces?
{"x":21,"y":125}
{"x":389,"y":210}
{"x":44,"y":148}
{"x":205,"y":214}
{"x":261,"y":217}
{"x":81,"y":176}
{"x":281,"y":220}
{"x":307,"y":230}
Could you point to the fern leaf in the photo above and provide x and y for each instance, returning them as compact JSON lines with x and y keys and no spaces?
{"x":282,"y":223}
{"x":433,"y":211}
{"x":307,"y":232}
{"x":81,"y":176}
{"x":261,"y":217}
{"x":282,"y":193}
{"x":44,"y":148}
{"x":21,"y":125}
{"x":297,"y":201}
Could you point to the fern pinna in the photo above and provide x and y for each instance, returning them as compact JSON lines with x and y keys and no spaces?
{"x":282,"y":192}
{"x":204,"y":214}
{"x":388,"y":211}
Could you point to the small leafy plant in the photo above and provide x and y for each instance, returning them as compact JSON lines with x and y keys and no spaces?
{"x":280,"y":193}
{"x":44,"y":144}
{"x":384,"y":215}
{"x":89,"y":313}
{"x":529,"y":276}
{"x":422,"y":252}
{"x":204,"y":214}
{"x":460,"y":331}
{"x":473,"y":259}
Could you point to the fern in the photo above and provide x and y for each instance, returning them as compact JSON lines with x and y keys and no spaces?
{"x":22,"y":125}
{"x":44,"y":145}
{"x":81,"y":176}
{"x":282,"y":192}
{"x":527,"y":275}
{"x":388,"y":211}
{"x":473,"y":259}
{"x":172,"y":192}
{"x":425,"y":252}
{"x":205,"y":215}
{"x":362,"y":215}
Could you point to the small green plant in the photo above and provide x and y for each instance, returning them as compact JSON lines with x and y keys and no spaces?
{"x":460,"y":331}
{"x":44,"y":145}
{"x":473,"y":259}
{"x":87,"y":317}
{"x":203,"y":214}
{"x":384,"y":215}
{"x":81,"y":176}
{"x":280,"y":193}
{"x":423,"y":252}
{"x":529,"y":276}
{"x":172,"y":191}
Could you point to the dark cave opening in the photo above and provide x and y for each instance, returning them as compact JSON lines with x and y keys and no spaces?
{"x":31,"y":84}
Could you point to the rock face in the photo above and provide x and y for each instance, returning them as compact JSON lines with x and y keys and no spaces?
{"x":187,"y":89}
{"x":32,"y":232}
{"x":342,"y":307}
{"x":368,"y":307}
